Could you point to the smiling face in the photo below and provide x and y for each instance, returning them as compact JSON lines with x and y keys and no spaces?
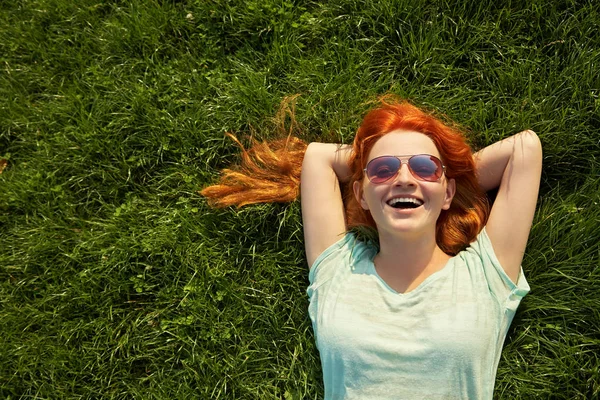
{"x":405,"y":204}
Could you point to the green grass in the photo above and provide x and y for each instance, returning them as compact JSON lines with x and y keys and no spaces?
{"x":117,"y":280}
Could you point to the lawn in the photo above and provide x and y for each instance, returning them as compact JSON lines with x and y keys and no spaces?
{"x":117,"y":279}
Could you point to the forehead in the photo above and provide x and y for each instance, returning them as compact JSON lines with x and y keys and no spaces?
{"x":403,"y":143}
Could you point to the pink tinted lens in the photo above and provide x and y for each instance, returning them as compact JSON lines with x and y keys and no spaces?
{"x":382,"y":169}
{"x":425,"y":167}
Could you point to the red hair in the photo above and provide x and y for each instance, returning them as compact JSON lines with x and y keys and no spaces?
{"x":270,"y":172}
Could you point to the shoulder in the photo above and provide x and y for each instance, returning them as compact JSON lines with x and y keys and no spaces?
{"x":481,"y":246}
{"x":346,"y":252}
{"x":483,"y":264}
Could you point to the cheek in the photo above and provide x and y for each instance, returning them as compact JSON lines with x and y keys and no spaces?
{"x":436,"y":196}
{"x":369,"y":197}
{"x":441,"y":196}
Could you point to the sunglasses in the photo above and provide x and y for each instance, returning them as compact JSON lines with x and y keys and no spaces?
{"x":424,"y":167}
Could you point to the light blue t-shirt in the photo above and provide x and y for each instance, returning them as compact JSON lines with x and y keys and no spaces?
{"x":441,"y":340}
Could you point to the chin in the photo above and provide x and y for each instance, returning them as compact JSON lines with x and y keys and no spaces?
{"x":405,"y":228}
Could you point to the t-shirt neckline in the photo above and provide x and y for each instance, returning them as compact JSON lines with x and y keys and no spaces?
{"x":431,"y":278}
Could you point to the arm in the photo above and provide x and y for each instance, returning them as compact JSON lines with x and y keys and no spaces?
{"x":514,"y":165}
{"x":323,"y":217}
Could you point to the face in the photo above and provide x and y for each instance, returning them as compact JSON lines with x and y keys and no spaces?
{"x":404,"y":203}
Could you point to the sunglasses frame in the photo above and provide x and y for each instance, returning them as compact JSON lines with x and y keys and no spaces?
{"x":402,"y":160}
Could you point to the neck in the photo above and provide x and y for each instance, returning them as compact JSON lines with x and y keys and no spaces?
{"x":406,"y":259}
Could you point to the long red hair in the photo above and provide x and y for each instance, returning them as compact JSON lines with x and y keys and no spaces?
{"x":270,"y":172}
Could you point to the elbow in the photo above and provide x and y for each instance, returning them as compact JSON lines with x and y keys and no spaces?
{"x":316,"y":152}
{"x":312,"y":148}
{"x":311,"y":152}
{"x":531,"y":145}
{"x":531,"y":141}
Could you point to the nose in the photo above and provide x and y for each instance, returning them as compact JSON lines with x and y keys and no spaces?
{"x":404,"y":177}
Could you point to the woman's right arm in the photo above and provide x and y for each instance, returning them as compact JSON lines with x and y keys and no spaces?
{"x":325,"y":165}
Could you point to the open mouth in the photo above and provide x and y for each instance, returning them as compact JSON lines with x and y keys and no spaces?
{"x":405,"y":202}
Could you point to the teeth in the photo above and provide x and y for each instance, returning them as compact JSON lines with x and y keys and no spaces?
{"x":397,"y":200}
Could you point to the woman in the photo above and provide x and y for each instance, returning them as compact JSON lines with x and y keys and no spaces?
{"x":424,"y":314}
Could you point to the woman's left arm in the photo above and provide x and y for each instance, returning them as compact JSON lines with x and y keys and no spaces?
{"x":514,"y":166}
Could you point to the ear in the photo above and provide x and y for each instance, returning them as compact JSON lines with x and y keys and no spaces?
{"x":358,"y":193}
{"x":450,"y":191}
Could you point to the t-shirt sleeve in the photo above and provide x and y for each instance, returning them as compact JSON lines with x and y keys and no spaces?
{"x":508,"y":293}
{"x":337,"y":257}
{"x":323,"y":268}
